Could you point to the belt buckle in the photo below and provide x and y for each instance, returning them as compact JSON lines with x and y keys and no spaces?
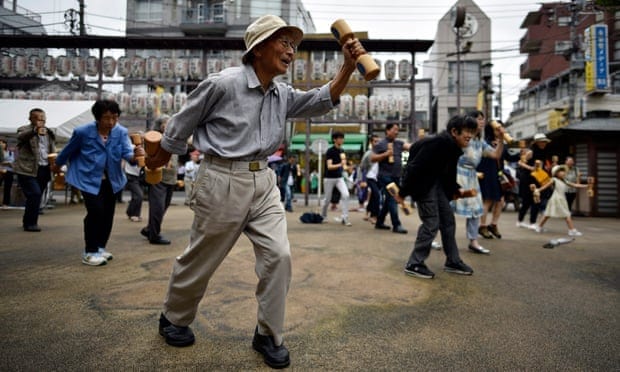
{"x":254,"y":166}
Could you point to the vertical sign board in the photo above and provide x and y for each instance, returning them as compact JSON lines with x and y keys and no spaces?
{"x":597,"y":64}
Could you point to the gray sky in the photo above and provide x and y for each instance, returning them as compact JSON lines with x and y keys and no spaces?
{"x":394,"y":19}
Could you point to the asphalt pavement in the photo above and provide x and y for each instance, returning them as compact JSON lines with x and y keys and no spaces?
{"x":350,"y":306}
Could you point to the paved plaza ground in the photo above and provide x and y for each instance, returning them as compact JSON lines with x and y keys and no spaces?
{"x":350,"y":307}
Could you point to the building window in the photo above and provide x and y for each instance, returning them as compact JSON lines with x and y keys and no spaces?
{"x":149,"y":11}
{"x":470,"y":77}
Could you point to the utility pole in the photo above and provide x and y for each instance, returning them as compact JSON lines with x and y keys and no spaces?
{"x":499,"y":97}
{"x":82,"y":27}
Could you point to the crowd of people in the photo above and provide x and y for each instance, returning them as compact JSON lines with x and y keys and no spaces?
{"x":235,"y":119}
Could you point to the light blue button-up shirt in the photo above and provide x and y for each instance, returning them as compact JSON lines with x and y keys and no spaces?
{"x":232,"y":117}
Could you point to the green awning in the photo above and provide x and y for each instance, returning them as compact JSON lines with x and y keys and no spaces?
{"x":349,"y":147}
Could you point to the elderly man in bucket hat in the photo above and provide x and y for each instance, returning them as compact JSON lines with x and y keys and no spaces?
{"x":237,"y":119}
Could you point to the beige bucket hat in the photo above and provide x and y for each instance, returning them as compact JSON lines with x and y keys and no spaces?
{"x":540,"y":137}
{"x":263,"y":28}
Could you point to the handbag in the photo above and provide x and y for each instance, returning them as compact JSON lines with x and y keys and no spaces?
{"x":505,"y":182}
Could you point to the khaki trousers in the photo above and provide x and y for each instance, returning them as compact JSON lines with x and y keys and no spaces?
{"x":229,"y":199}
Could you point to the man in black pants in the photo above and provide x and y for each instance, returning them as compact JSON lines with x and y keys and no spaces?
{"x":160,"y":194}
{"x":430,"y":180}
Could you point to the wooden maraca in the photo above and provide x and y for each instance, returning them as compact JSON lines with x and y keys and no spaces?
{"x":365,"y":63}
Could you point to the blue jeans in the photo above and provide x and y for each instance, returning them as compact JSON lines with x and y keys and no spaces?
{"x":389,"y":204}
{"x":33,"y":189}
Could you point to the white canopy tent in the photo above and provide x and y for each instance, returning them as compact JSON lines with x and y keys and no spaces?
{"x":62,"y":116}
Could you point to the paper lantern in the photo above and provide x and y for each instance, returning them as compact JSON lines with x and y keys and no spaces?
{"x":152,"y":102}
{"x":360,"y":107}
{"x":123,"y":100}
{"x":6,"y":66}
{"x":138,"y":67}
{"x":35,"y":63}
{"x":49,"y":65}
{"x":123,"y":66}
{"x":137,"y":104}
{"x":108,"y":66}
{"x":404,"y":106}
{"x":63,"y":65}
{"x":181,"y":66}
{"x":109,"y":96}
{"x":19,"y":94}
{"x":317,"y":70}
{"x":345,"y":109}
{"x":152,"y":67}
{"x":166,"y":68}
{"x":300,"y":70}
{"x":92,"y":66}
{"x":180,"y":99}
{"x":166,"y":103}
{"x":391,"y":107}
{"x":390,"y":69}
{"x":373,"y":106}
{"x":195,"y":68}
{"x":78,"y":66}
{"x":213,"y":66}
{"x":92,"y":96}
{"x":331,"y":68}
{"x":77,"y":96}
{"x":20,"y":65}
{"x":404,"y":69}
{"x":50,"y":95}
{"x":35,"y":94}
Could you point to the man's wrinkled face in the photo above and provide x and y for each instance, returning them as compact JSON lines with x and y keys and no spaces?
{"x":276,"y":53}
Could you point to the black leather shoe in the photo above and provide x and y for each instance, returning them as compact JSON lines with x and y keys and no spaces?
{"x":275,"y":356}
{"x":144,"y":232}
{"x":160,"y":241}
{"x":381,"y":227}
{"x":32,"y":228}
{"x":175,"y":335}
{"x":400,"y":230}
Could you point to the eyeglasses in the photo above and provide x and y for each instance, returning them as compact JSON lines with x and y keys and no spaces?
{"x":288,"y":44}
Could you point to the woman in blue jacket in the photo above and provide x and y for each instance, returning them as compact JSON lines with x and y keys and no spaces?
{"x":93,"y":156}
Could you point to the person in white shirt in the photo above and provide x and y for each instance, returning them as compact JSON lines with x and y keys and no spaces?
{"x":191,"y":168}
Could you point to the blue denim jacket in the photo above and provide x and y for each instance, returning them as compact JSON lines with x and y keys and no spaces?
{"x":87,"y":157}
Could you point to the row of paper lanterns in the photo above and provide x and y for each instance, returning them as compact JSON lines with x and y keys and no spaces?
{"x":134,"y":103}
{"x":166,"y":67}
{"x":377,"y":107}
{"x":327,"y":70}
{"x":127,"y":67}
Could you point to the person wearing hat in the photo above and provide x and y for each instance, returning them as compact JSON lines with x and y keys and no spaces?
{"x":540,"y":152}
{"x":557,"y":205}
{"x":238,"y":118}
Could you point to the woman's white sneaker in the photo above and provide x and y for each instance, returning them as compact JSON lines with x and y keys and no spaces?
{"x":93,"y":259}
{"x":574,"y":232}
